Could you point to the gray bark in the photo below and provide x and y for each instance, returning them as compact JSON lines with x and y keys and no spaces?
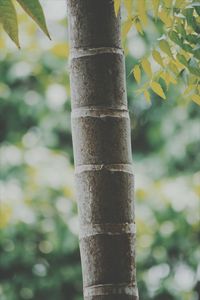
{"x":102,"y":152}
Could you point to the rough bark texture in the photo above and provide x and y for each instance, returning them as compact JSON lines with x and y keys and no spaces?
{"x":102,"y":150}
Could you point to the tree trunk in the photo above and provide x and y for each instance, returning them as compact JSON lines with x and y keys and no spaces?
{"x":102,"y":151}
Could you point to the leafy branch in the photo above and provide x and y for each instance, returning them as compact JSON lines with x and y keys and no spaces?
{"x":177,"y":52}
{"x":8,"y":17}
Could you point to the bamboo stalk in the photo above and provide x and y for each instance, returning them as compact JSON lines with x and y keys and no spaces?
{"x":102,"y":151}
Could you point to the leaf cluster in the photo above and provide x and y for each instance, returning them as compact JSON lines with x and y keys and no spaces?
{"x":8,"y":17}
{"x":177,"y":51}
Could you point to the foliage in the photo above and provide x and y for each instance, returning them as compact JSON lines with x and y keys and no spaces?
{"x":8,"y":17}
{"x":179,"y":46}
{"x":177,"y":50}
{"x":38,"y":215}
{"x":38,"y":236}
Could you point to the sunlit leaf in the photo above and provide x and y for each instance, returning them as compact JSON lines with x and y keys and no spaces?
{"x":146,"y":67}
{"x":173,"y":67}
{"x":168,"y":3}
{"x":164,"y":46}
{"x":156,"y":4}
{"x":142,"y":11}
{"x":196,"y":99}
{"x":137,"y":73}
{"x":138,"y":26}
{"x":156,"y":87}
{"x":168,"y":78}
{"x":147,"y":96}
{"x":180,"y":3}
{"x":126,"y":27}
{"x":117,"y":4}
{"x":128,"y":5}
{"x":166,"y":19}
{"x":157,"y":57}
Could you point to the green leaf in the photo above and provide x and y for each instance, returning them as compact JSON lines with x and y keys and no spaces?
{"x":192,"y":38}
{"x":156,"y":87}
{"x":194,"y":70}
{"x":164,"y":46}
{"x":182,"y":59}
{"x":181,"y":29}
{"x":197,"y":7}
{"x":34,"y":9}
{"x":137,"y":73}
{"x":175,"y":38}
{"x":8,"y":18}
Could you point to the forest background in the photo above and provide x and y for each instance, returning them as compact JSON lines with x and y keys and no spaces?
{"x":39,"y":254}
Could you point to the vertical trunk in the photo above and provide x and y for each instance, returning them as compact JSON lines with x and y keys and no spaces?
{"x":102,"y":150}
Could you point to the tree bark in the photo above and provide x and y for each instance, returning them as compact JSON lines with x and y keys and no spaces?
{"x":102,"y":151}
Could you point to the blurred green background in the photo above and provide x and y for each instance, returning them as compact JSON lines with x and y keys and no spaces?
{"x":39,"y":254}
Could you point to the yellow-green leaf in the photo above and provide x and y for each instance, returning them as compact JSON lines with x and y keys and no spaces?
{"x":168,"y":3}
{"x":189,"y":89}
{"x":164,"y":46}
{"x":8,"y":18}
{"x":117,"y":4}
{"x":156,"y":4}
{"x":142,"y":11}
{"x":157,"y":57}
{"x":146,"y":67}
{"x":128,"y":5}
{"x":173,"y":67}
{"x":168,"y":78}
{"x":138,"y":26}
{"x":34,"y":9}
{"x":156,"y":87}
{"x":137,"y":73}
{"x":126,"y":27}
{"x":180,"y":3}
{"x":165,"y":77}
{"x":172,"y":79}
{"x":147,"y":96}
{"x":165,"y":18}
{"x":196,"y":99}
